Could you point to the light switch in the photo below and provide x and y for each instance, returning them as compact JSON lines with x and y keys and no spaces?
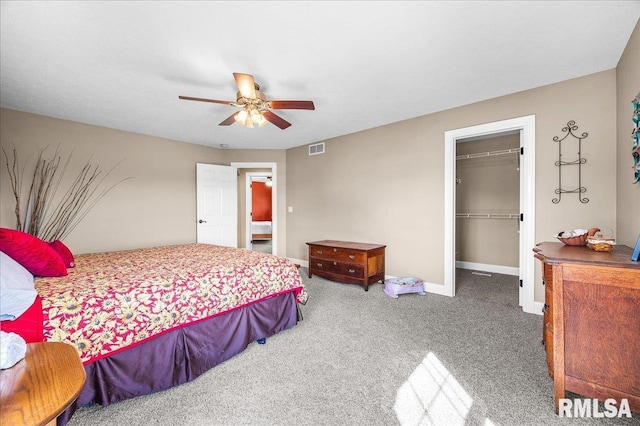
{"x":290,"y":209}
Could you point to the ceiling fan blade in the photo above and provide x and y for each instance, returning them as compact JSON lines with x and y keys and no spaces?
{"x":274,"y":119}
{"x":246,"y":85}
{"x":230,"y":120}
{"x":291,"y":105}
{"x":189,"y":98}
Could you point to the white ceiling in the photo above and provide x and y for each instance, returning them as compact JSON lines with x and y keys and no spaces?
{"x":364,"y":64}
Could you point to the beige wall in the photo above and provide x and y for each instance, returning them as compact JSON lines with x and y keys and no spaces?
{"x":488,"y":185}
{"x":156,"y":207}
{"x":628,"y":194}
{"x":386,"y":185}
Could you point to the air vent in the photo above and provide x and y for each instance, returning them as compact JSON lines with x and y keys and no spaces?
{"x":317,"y":148}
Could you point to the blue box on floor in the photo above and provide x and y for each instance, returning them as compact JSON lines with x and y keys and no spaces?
{"x":395,"y":286}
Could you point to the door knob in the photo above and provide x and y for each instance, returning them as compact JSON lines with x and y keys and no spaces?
{"x":202,"y":221}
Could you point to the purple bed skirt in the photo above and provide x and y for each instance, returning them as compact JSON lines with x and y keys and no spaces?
{"x":182,"y":354}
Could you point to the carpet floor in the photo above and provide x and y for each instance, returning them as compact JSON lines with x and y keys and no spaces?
{"x":363,"y":358}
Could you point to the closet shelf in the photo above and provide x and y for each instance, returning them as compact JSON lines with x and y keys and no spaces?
{"x":488,"y":215}
{"x":488,"y":154}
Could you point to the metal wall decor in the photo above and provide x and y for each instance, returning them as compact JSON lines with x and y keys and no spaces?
{"x":569,"y":129}
{"x":635,"y":134}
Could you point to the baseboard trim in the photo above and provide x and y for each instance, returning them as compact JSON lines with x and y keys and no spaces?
{"x":438,"y":289}
{"x":496,"y":269}
{"x":537,"y":308}
{"x":300,"y":262}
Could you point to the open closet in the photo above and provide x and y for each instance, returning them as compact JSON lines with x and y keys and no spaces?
{"x":488,"y":203}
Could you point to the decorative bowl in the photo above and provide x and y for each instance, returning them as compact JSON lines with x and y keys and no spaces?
{"x":577,"y":240}
{"x":580,"y":240}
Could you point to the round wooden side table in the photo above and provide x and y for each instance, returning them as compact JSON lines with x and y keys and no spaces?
{"x":42,"y":385}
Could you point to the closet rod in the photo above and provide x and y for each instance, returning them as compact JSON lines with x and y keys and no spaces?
{"x":488,"y":154}
{"x":488,"y":215}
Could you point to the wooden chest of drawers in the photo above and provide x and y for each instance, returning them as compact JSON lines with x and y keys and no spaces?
{"x":347,"y":262}
{"x":592,"y":322}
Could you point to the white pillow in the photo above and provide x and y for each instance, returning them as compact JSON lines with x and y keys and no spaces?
{"x":17,"y":292}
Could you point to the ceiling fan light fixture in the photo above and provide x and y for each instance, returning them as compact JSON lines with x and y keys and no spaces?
{"x":256,"y":117}
{"x":241,"y":117}
{"x":254,"y":108}
{"x":260,"y":95}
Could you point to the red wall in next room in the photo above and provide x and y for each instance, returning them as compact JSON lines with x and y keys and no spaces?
{"x":261,"y":199}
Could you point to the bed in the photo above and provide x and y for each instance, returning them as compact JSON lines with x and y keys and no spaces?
{"x":149,"y":319}
{"x":261,"y":230}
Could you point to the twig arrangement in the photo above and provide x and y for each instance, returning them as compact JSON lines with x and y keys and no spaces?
{"x":38,"y":213}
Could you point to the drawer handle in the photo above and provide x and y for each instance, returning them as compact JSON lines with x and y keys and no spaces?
{"x":335,"y":250}
{"x":319,"y":265}
{"x":319,"y":251}
{"x":351,"y":257}
{"x":335,"y":263}
{"x":351,"y":271}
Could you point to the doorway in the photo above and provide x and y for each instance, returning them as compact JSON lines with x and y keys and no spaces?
{"x":266,"y":169}
{"x":525,"y":126}
{"x":258,"y":215}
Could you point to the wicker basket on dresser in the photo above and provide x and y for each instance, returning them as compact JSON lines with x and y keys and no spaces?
{"x":347,"y":262}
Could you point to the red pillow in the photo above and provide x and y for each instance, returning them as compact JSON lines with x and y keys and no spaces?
{"x":30,"y":325}
{"x":31,"y":252}
{"x":64,"y":252}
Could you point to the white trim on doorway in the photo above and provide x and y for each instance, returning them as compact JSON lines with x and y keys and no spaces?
{"x":274,"y":195}
{"x":526,"y":126}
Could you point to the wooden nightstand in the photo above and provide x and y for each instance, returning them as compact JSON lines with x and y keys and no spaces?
{"x":42,"y":385}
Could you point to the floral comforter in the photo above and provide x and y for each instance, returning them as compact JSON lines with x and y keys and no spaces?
{"x":113,"y":300}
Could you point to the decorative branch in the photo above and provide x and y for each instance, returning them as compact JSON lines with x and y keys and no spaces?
{"x":41,"y":216}
{"x":14,"y":172}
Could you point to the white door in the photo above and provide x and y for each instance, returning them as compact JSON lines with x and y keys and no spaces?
{"x":217,"y":204}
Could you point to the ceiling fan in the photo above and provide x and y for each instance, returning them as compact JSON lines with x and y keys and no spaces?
{"x":255,"y":109}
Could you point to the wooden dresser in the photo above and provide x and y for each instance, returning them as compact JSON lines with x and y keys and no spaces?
{"x":592,"y":321}
{"x":347,"y":262}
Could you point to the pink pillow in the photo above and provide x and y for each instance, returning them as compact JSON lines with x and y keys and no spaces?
{"x":32,"y":253}
{"x":64,"y":252}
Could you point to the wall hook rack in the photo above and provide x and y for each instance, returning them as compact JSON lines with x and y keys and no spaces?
{"x":569,"y":130}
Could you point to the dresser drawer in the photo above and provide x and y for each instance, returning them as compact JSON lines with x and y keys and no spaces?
{"x":354,"y":271}
{"x":548,"y":305}
{"x":337,"y":254}
{"x":547,"y":276}
{"x":548,"y":345}
{"x":346,"y":269}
